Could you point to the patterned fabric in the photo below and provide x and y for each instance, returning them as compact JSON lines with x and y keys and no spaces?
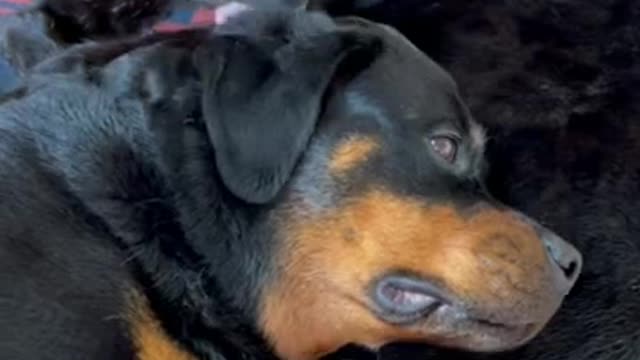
{"x":187,"y":15}
{"x":181,"y":18}
{"x":8,"y":7}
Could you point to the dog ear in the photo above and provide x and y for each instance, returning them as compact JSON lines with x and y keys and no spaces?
{"x":261,"y":101}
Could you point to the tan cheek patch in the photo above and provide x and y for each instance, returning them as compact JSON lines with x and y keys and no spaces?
{"x":351,"y":153}
{"x":329,"y":261}
{"x":150,"y":340}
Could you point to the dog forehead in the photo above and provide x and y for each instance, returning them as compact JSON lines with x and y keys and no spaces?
{"x":402,"y":83}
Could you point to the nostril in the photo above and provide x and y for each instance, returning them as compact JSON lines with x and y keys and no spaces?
{"x":564,"y":255}
{"x":571,"y":270}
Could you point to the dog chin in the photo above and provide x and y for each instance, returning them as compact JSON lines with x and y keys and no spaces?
{"x":449,"y":327}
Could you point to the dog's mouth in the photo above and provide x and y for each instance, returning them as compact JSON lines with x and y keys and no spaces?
{"x":436,"y":317}
{"x":451,"y":326}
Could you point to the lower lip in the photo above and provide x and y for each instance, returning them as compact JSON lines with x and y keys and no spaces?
{"x":453,"y":328}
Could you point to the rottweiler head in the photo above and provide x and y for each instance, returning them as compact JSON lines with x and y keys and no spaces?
{"x":330,"y":188}
{"x":364,"y":172}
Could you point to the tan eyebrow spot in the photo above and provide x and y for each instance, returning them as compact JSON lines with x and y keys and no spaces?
{"x":350,"y":153}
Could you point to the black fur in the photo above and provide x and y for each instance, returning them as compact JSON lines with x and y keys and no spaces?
{"x":117,"y":153}
{"x":10,"y":78}
{"x":584,"y":107}
{"x":255,"y":162}
{"x":74,"y":20}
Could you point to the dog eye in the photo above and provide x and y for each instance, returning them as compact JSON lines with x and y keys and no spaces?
{"x":445,"y":146}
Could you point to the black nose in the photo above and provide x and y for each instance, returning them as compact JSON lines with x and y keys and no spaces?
{"x":404,"y":299}
{"x":567,"y":258}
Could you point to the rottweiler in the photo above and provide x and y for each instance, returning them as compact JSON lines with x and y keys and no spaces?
{"x":274,"y":188}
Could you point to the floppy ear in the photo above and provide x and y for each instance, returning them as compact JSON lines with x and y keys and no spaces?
{"x":261,"y":101}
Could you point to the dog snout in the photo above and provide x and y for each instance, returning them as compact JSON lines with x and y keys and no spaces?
{"x":565,"y":258}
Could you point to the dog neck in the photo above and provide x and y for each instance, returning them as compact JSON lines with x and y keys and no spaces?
{"x":212,"y":225}
{"x":185,"y":239}
{"x":195,"y":258}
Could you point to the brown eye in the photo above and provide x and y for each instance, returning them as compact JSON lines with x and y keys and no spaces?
{"x":445,"y":146}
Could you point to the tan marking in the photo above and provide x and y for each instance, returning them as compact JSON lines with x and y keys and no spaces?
{"x":319,"y":302}
{"x":150,"y":340}
{"x":350,"y":153}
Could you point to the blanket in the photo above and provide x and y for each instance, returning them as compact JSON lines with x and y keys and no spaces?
{"x":182,"y":17}
{"x":186,"y":15}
